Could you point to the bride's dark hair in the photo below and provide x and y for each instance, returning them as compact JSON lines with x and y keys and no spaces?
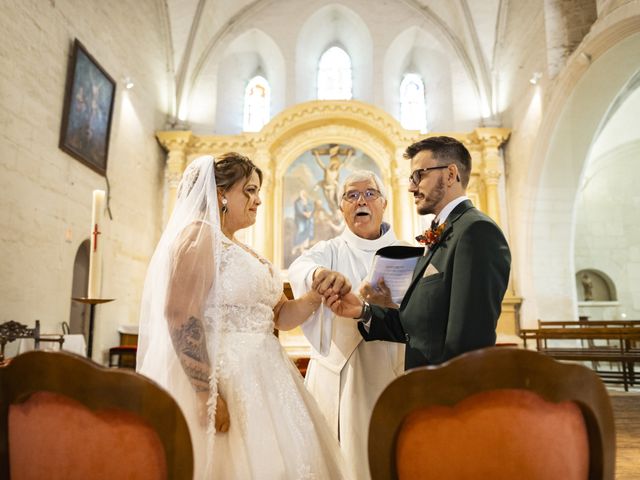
{"x":232,"y":167}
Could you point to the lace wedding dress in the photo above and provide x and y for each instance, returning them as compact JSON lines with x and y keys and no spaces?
{"x":277,"y":431}
{"x":200,"y":284}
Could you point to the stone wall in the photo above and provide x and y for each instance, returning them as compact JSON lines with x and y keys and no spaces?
{"x":607,"y":237}
{"x":45,"y":194}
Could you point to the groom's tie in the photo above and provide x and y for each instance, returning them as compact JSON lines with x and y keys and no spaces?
{"x":434,"y":225}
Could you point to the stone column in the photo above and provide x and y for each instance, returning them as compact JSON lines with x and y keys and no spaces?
{"x":263,"y":228}
{"x":406,"y":222}
{"x":175,"y":143}
{"x":491,"y":139}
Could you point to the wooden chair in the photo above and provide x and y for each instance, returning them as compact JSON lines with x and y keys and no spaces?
{"x":65,"y":417}
{"x":11,"y":330}
{"x":124,"y":355}
{"x":498,"y":413}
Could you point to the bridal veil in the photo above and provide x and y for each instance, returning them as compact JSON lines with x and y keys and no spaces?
{"x":181,"y":277}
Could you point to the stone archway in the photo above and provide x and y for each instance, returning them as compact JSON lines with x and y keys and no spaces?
{"x":79,"y":312}
{"x":576,"y":112}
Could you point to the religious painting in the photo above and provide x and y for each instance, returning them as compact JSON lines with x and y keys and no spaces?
{"x":310,"y":197}
{"x":88,"y":108}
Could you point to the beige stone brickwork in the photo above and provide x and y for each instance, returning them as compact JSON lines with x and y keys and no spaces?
{"x":45,"y":194}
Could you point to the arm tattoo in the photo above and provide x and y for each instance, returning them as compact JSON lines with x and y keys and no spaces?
{"x":191,"y":347}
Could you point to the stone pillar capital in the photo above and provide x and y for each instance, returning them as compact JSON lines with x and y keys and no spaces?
{"x":175,"y":144}
{"x":174,"y":140}
{"x":491,"y":137}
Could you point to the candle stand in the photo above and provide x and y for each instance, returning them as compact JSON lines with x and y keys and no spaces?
{"x":92,"y":302}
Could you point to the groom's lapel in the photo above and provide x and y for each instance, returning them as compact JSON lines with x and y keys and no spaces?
{"x":424,"y":260}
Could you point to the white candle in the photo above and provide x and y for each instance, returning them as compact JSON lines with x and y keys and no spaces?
{"x":95,"y":255}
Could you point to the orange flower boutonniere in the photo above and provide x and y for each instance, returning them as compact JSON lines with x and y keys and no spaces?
{"x":431,"y":236}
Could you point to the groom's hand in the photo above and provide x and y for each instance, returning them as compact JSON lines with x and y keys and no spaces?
{"x":327,"y":282}
{"x":348,"y":306}
{"x":378,"y":295}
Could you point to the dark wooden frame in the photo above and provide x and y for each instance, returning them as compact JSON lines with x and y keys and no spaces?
{"x":491,"y":369}
{"x":85,"y":130}
{"x":96,"y":387}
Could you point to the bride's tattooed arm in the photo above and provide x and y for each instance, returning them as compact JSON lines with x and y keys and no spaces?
{"x":189,"y":283}
{"x":189,"y":341}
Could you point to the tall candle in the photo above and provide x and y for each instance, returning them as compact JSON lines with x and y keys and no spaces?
{"x":95,"y":255}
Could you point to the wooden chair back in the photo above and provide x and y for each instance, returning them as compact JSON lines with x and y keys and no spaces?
{"x":71,"y":418}
{"x":453,"y":400}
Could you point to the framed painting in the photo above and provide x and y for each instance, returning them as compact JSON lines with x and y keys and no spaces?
{"x":310,"y":197}
{"x":88,"y":108}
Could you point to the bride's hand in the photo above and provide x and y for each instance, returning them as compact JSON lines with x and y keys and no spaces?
{"x":222,"y":415}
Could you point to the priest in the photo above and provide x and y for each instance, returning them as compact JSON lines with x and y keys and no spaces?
{"x":345,"y":374}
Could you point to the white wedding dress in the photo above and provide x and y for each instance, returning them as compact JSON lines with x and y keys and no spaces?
{"x":277,"y":431}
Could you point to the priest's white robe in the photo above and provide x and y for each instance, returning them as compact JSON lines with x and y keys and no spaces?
{"x":346,"y":374}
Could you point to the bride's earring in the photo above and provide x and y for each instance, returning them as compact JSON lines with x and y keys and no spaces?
{"x":224,"y":209}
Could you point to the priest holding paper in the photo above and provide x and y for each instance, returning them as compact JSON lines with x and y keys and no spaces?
{"x":345,"y":374}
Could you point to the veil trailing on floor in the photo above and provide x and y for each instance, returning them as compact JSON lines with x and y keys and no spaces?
{"x":180,"y":282}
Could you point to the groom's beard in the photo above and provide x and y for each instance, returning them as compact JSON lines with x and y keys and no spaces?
{"x":433,"y":198}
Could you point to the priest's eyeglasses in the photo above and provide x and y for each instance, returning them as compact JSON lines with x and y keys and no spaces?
{"x":369,"y":194}
{"x":416,"y":175}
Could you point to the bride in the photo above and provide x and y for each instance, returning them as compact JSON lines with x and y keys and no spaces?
{"x":209,"y":308}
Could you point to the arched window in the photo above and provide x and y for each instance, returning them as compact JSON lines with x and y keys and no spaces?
{"x":257,"y":101}
{"x":413,"y":111}
{"x":334,"y":75}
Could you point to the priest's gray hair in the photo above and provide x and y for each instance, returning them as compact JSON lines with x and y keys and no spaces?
{"x":362,"y":176}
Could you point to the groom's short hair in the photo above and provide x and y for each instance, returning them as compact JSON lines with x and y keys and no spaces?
{"x":445,"y":150}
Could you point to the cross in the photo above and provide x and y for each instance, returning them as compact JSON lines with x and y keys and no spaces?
{"x":95,"y":234}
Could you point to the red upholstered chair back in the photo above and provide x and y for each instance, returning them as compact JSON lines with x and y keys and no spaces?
{"x":498,"y":413}
{"x":64,"y":417}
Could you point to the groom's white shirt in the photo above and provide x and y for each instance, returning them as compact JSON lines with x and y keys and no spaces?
{"x":448,"y":208}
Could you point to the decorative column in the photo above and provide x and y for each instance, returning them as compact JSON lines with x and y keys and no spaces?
{"x":175,"y":143}
{"x":491,"y":139}
{"x":263,"y":229}
{"x":404,"y":214}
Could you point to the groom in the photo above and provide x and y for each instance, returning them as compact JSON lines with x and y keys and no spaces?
{"x":453,"y":303}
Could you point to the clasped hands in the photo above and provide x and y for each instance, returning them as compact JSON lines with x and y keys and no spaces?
{"x":339,"y":297}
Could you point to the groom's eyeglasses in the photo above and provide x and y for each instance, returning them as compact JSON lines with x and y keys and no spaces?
{"x":416,"y":175}
{"x":353,"y":196}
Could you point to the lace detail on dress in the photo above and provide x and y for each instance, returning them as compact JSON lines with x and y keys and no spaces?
{"x":276,"y":430}
{"x":243,"y":318}
{"x":248,"y":289}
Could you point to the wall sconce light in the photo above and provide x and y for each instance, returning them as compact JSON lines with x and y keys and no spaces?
{"x":128,"y":83}
{"x":535,"y":78}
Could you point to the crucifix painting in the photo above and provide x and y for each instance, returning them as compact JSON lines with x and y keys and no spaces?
{"x":310,"y":198}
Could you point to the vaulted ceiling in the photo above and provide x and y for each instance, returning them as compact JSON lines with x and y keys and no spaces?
{"x":471,"y":29}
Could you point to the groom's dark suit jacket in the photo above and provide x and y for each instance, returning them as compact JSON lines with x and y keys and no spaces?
{"x":453,"y":303}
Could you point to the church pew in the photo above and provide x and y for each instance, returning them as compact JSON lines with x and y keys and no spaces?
{"x":568,"y":343}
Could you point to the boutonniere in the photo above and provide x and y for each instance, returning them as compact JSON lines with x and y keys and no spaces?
{"x":431,"y":236}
